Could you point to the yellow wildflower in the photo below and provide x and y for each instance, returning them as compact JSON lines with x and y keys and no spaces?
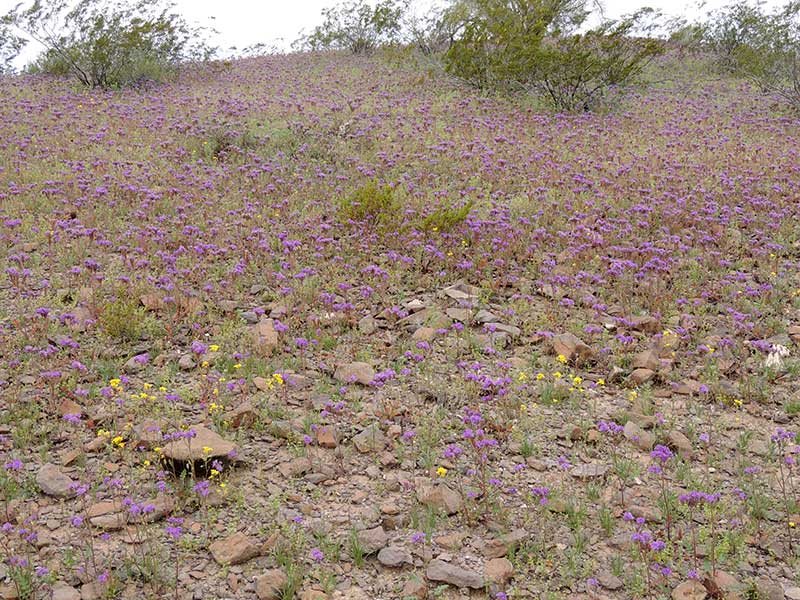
{"x":207,"y":449}
{"x":539,"y":376}
{"x":114,"y":382}
{"x":118,"y":441}
{"x":562,"y":359}
{"x":213,"y":347}
{"x":557,"y":375}
{"x":441,"y":471}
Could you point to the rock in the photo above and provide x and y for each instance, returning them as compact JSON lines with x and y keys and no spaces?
{"x":439,"y":570}
{"x":609,"y":581}
{"x":70,"y":407}
{"x":646,"y":324}
{"x":249,"y":317}
{"x":205,"y":445}
{"x":186,"y":363}
{"x":571,"y":347}
{"x":689,"y":590}
{"x":462,"y":291}
{"x":501,"y":546}
{"x":135,"y":364}
{"x":651,"y":515}
{"x":499,"y":570}
{"x":53,"y":482}
{"x":372,"y":540}
{"x":295,"y":467}
{"x":440,"y":497}
{"x":266,"y":337}
{"x":647,"y":359}
{"x":767,"y":590}
{"x":644,"y":440}
{"x":370,"y":439}
{"x":727,"y":583}
{"x":640,"y":376}
{"x":367,"y":325}
{"x":355,"y":372}
{"x":792,"y":593}
{"x":148,"y":434}
{"x":327,"y":436}
{"x":234,"y":550}
{"x":269,"y":586}
{"x":430,"y":317}
{"x":415,"y":588}
{"x":589,"y":471}
{"x":680,"y":443}
{"x":424,"y":334}
{"x":395,"y":557}
{"x":243,"y":416}
{"x":313,"y":594}
{"x":484,"y":316}
{"x":62,"y":591}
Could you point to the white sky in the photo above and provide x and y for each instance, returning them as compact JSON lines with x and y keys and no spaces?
{"x":245,"y":22}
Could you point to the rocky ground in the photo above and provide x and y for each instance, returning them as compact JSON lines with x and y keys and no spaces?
{"x":555,"y":357}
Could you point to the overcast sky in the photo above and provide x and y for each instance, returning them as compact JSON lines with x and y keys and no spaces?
{"x":245,"y":22}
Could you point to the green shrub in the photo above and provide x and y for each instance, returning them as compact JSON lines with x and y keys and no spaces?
{"x":530,"y":46}
{"x":371,"y":202}
{"x":447,"y":217}
{"x":122,"y":319}
{"x":109,"y":44}
{"x":356,"y":26}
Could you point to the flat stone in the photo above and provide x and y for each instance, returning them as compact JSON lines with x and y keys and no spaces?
{"x":197,"y":448}
{"x":395,"y":557}
{"x":295,"y":467}
{"x":640,"y":376}
{"x":233,"y":550}
{"x":355,"y":372}
{"x":265,"y":336}
{"x":647,"y":359}
{"x":370,"y":439}
{"x":440,"y":497}
{"x":53,"y":482}
{"x":689,"y":590}
{"x":501,"y":546}
{"x":372,"y":540}
{"x":680,"y":443}
{"x":62,"y":591}
{"x":499,"y":570}
{"x":439,"y":570}
{"x":589,"y":471}
{"x":644,"y":440}
{"x":571,"y":347}
{"x":792,"y":593}
{"x":269,"y":586}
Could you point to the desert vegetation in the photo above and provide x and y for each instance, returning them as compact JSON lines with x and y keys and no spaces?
{"x":345,"y":323}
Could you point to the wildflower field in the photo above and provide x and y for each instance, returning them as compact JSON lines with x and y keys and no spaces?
{"x":319,"y":326}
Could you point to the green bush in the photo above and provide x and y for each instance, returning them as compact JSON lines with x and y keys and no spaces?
{"x":531,"y":46}
{"x":446,"y":218}
{"x":122,"y":319}
{"x":105,"y":44}
{"x":371,"y":202}
{"x":356,"y":26}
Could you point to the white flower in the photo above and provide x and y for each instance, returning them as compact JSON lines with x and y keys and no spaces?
{"x":775,"y":358}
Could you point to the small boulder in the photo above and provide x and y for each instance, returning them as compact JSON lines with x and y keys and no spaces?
{"x":689,"y":590}
{"x":439,"y":570}
{"x":370,"y":439}
{"x":205,"y":445}
{"x":53,"y":482}
{"x":644,"y":440}
{"x":372,"y":540}
{"x":355,"y":372}
{"x":440,"y":497}
{"x":499,"y":570}
{"x":571,"y":347}
{"x":233,"y":550}
{"x":269,"y":586}
{"x":394,"y":557}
